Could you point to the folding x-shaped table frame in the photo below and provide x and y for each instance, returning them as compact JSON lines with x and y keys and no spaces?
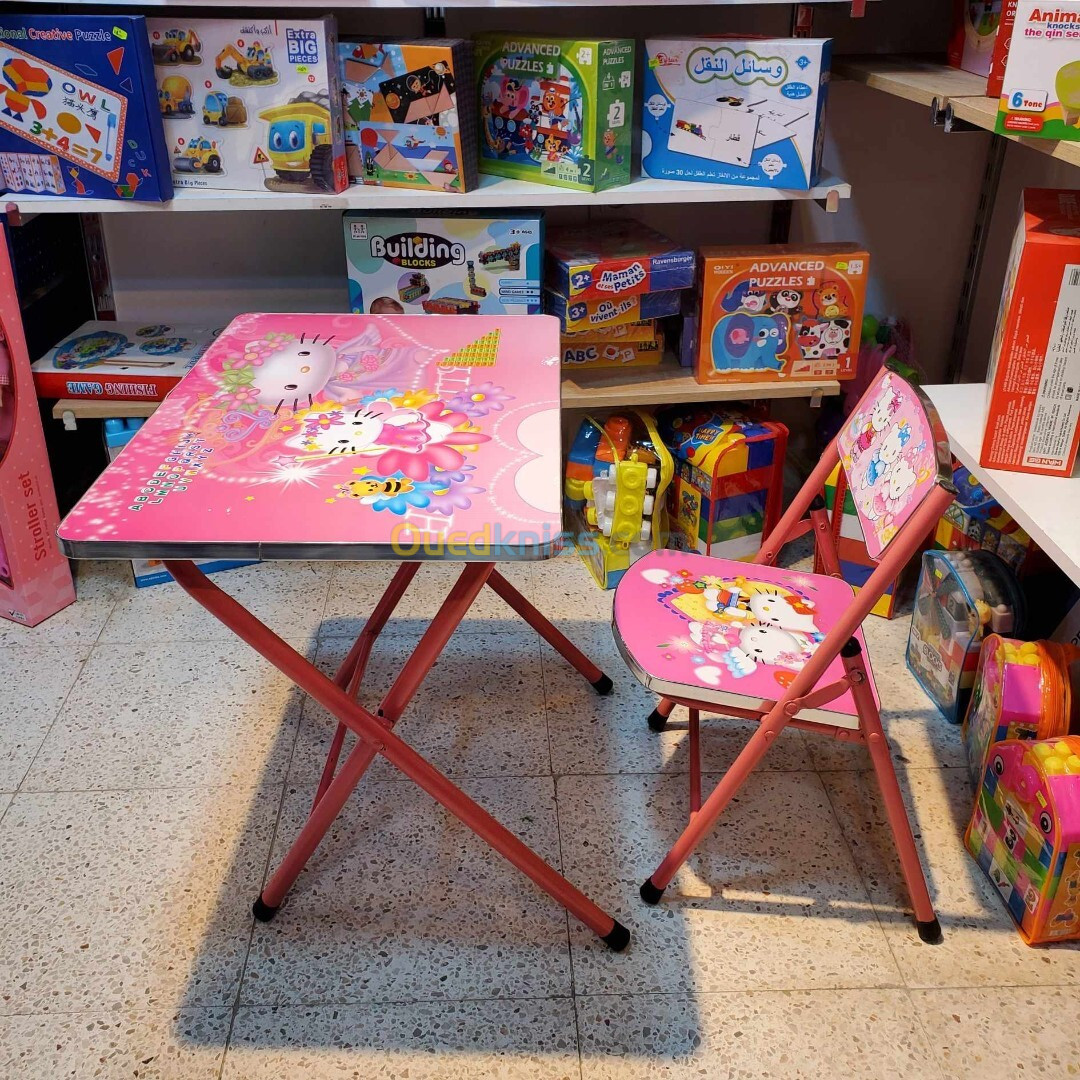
{"x":375,"y":730}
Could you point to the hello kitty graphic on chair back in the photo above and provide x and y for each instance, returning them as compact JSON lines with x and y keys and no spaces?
{"x":893,"y":450}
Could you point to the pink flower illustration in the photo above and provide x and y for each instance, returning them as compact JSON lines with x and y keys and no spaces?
{"x":322,"y":422}
{"x":480,"y":400}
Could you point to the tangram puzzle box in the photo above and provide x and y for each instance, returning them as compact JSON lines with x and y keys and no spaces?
{"x":444,"y":264}
{"x":728,"y":486}
{"x":35,"y":578}
{"x":1040,"y":94}
{"x":251,"y":105}
{"x":78,"y":109}
{"x":410,"y":113}
{"x":556,"y":111}
{"x":120,"y":361}
{"x":735,"y":111}
{"x":1033,"y":385}
{"x":781,"y":312}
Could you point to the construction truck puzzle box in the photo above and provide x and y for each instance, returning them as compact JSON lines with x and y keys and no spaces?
{"x":251,"y":105}
{"x":733,"y":111}
{"x":77,"y":109}
{"x":417,"y":262}
{"x":410,"y":113}
{"x":556,"y":111}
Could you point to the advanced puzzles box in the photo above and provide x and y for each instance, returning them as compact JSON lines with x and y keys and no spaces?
{"x":251,"y":105}
{"x":735,"y":111}
{"x":410,"y":113}
{"x":78,"y":109}
{"x":443,"y":264}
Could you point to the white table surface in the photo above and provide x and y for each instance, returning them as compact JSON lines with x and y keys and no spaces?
{"x":1047,"y":507}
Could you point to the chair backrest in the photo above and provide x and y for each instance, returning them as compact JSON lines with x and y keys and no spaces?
{"x":894,"y":451}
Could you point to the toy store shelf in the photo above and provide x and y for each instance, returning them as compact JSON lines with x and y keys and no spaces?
{"x":98,"y":409}
{"x":494,"y":191}
{"x":670,"y":384}
{"x":1048,"y":507}
{"x":937,"y":85}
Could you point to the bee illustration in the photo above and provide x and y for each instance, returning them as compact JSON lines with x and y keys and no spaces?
{"x":377,"y":485}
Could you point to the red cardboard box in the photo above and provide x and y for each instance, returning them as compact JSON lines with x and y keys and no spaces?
{"x":1033,"y":385}
{"x":35,"y":578}
{"x":980,"y":39}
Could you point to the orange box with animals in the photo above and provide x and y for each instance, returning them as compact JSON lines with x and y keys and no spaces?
{"x":780,"y":312}
{"x":1033,"y":403}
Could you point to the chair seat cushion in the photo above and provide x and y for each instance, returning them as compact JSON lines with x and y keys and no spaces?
{"x":729,"y":633}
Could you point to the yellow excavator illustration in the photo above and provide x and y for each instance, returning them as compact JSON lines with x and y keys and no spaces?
{"x":255,"y":63}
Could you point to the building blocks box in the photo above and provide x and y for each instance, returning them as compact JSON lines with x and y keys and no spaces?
{"x":735,"y":111}
{"x":78,"y":109}
{"x":251,"y":105}
{"x":619,"y":258}
{"x":410,"y":113}
{"x":444,"y":263}
{"x":556,"y":111}
{"x":1040,"y":93}
{"x":780,"y":312}
{"x":121,"y":361}
{"x":1033,"y":404}
{"x":728,"y":486}
{"x":35,"y":577}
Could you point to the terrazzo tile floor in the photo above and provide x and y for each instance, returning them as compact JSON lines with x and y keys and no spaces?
{"x":151,"y":771}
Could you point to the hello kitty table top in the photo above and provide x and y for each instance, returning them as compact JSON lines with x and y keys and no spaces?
{"x":344,"y":437}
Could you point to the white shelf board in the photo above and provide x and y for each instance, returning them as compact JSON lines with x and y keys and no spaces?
{"x":494,"y":191}
{"x":1047,"y":507}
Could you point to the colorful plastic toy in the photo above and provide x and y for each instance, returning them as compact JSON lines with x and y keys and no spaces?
{"x":617,"y":476}
{"x":729,"y":480}
{"x":962,"y":597}
{"x":1025,"y":834}
{"x":1023,"y":690}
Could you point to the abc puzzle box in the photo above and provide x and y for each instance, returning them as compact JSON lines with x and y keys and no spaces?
{"x":78,"y":110}
{"x":251,"y":105}
{"x":443,"y":263}
{"x":734,"y":111}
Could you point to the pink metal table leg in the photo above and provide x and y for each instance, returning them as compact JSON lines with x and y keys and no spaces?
{"x":368,"y":728}
{"x":658,"y":718}
{"x":553,"y":636}
{"x":695,"y":762}
{"x":353,"y":666}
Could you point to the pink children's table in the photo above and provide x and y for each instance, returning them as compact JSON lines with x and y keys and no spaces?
{"x":411,"y":438}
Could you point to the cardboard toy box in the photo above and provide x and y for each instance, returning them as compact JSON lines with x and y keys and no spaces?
{"x":35,"y":577}
{"x":735,"y":111}
{"x":78,"y":108}
{"x":251,"y":105}
{"x":727,"y":492}
{"x":410,"y":113}
{"x":578,"y":315}
{"x":120,"y":361}
{"x":1033,"y":407}
{"x":427,"y":261}
{"x":780,"y":312}
{"x":975,"y":31}
{"x":556,"y":111}
{"x":612,"y":352}
{"x":1040,"y":94}
{"x":619,"y":258}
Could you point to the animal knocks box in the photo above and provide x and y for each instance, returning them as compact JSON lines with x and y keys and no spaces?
{"x":1033,"y":385}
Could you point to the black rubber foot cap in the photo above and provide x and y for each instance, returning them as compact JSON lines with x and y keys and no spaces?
{"x":603,"y":685}
{"x":930,"y":932}
{"x":618,"y":939}
{"x":657,"y":720}
{"x":262,"y":911}
{"x":650,"y":893}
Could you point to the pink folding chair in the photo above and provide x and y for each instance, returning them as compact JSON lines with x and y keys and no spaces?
{"x":755,"y":641}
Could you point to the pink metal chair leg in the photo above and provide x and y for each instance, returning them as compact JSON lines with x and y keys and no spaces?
{"x":372,"y":733}
{"x":926,"y":921}
{"x":554,"y":637}
{"x":658,"y":718}
{"x":353,"y":666}
{"x":695,"y":762}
